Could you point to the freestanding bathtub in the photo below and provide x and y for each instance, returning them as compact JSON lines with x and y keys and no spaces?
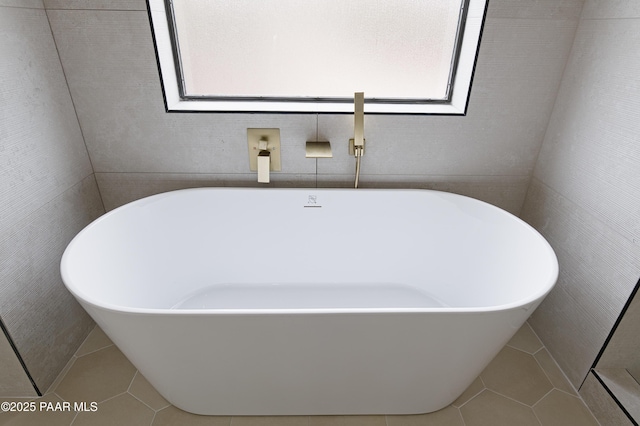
{"x":309,"y":301}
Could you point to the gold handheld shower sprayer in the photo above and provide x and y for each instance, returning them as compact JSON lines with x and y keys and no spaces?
{"x":356,"y":145}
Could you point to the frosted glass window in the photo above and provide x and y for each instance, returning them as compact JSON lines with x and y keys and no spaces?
{"x":312,"y":55}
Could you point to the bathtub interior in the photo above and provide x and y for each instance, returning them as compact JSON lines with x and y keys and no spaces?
{"x":305,"y":248}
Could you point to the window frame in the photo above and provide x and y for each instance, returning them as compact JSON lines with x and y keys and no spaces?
{"x":470,"y":29}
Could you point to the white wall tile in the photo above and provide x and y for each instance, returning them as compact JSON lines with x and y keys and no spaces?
{"x":42,"y":162}
{"x":112,"y":73}
{"x":591,"y":152}
{"x":96,"y":4}
{"x":46,"y":323}
{"x":118,"y":189}
{"x":598,"y":9}
{"x":43,"y":152}
{"x":34,"y":4}
{"x":535,"y":9}
{"x":598,"y":269}
{"x":506,"y":192}
{"x":586,"y":191}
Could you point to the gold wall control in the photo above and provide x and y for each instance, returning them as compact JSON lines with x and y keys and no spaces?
{"x":318,"y":150}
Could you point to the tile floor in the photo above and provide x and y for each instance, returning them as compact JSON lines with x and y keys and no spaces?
{"x":522,"y":386}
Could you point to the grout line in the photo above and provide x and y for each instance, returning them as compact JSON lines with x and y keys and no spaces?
{"x":94,"y":351}
{"x":566,"y":379}
{"x":131,"y":383}
{"x":23,"y":7}
{"x":139,"y":399}
{"x":534,"y":333}
{"x":613,"y":18}
{"x":464,"y":422}
{"x":554,"y":361}
{"x":510,"y":398}
{"x":543,"y":397}
{"x":521,"y":350}
{"x":474,"y":396}
{"x":481,"y":380}
{"x":537,"y":18}
{"x":536,"y":416}
{"x":577,"y":395}
{"x":63,"y":373}
{"x":85,"y":340}
{"x":145,"y":404}
{"x":489,"y":178}
{"x":113,"y":397}
{"x":74,"y":419}
{"x":546,"y":374}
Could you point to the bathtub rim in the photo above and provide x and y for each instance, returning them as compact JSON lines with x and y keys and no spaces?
{"x":534,"y":298}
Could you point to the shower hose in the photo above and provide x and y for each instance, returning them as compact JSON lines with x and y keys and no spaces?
{"x":358,"y":156}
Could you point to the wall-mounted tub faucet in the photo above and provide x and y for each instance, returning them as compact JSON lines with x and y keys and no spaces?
{"x":356,"y":145}
{"x":264,"y":161}
{"x":264,"y":152}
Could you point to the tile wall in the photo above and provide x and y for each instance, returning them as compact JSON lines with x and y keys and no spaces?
{"x":138,"y":149}
{"x":48,"y":193}
{"x":585,"y":192}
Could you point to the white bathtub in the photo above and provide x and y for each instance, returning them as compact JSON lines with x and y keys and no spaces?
{"x":309,"y":301}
